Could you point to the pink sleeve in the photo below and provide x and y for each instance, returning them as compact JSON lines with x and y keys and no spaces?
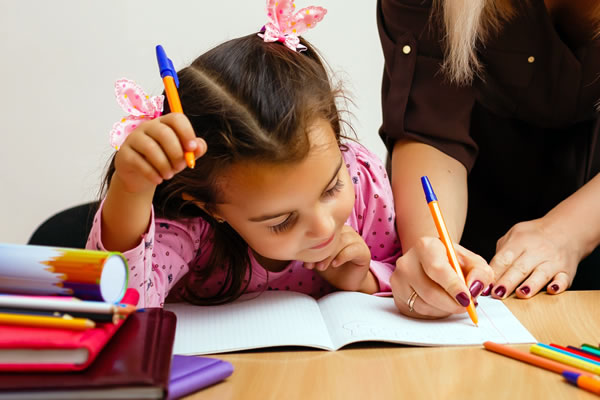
{"x":161,"y":257}
{"x":374,"y":217}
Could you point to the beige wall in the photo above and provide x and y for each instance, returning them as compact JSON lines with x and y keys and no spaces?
{"x":59,"y":60}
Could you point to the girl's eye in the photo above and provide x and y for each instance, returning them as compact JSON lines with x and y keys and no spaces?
{"x":339,"y":184}
{"x":285,"y":225}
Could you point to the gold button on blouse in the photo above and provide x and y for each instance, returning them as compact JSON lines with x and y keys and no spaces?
{"x":406,"y":49}
{"x":530,"y":59}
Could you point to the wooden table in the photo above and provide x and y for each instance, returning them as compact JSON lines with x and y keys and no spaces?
{"x":381,"y":371}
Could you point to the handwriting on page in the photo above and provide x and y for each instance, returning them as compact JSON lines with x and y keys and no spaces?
{"x":353,"y":317}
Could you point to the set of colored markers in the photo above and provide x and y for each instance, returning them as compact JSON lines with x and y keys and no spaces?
{"x":59,"y":312}
{"x":578,"y":365}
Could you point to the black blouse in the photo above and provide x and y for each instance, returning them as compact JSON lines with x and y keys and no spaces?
{"x":526,"y":130}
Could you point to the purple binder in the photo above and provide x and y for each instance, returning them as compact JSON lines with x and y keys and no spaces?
{"x":192,"y":373}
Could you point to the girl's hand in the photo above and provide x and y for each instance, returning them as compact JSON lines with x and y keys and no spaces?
{"x":425,"y":270}
{"x":348,"y":266}
{"x":155,"y":151}
{"x":532,"y":255}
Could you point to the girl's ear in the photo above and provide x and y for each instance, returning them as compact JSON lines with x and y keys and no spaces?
{"x":202,"y":206}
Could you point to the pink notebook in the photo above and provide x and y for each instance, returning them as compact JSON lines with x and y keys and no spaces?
{"x":25,"y":348}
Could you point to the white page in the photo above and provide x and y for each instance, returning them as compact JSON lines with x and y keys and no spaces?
{"x":273,"y":318}
{"x":354,"y":317}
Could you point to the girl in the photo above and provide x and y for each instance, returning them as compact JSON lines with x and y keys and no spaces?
{"x":277,"y":199}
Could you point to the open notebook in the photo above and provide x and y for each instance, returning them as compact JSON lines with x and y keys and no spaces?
{"x":282,"y":318}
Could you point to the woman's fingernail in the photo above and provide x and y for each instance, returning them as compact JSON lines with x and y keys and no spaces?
{"x":555,"y":288}
{"x":487,"y":291}
{"x":500,"y":291}
{"x":475,"y":288}
{"x":463,"y":299}
{"x":192,"y":145}
{"x":525,"y":290}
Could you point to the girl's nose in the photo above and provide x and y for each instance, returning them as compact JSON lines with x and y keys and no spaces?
{"x":322,"y":224}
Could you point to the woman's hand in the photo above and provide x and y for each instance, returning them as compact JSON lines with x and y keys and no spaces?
{"x":155,"y":151}
{"x":425,"y":270}
{"x":347,"y":268}
{"x":533,"y":255}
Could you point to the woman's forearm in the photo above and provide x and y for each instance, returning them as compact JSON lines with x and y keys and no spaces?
{"x":578,"y":218}
{"x":410,"y":161}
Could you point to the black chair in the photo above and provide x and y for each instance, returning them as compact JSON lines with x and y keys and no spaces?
{"x":68,"y":228}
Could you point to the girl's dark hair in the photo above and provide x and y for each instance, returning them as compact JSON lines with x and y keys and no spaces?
{"x":250,"y":101}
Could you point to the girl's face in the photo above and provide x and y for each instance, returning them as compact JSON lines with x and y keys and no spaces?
{"x":295,"y":211}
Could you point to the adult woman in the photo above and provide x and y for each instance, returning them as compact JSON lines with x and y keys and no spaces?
{"x":494,"y":100}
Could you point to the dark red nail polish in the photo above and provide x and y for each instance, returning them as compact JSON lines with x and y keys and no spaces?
{"x":555,"y":288}
{"x":487,"y":291}
{"x":500,"y":291}
{"x":475,"y":288}
{"x":463,"y":299}
{"x":525,"y":290}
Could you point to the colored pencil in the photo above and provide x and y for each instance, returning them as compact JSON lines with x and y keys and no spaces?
{"x":440,"y":225}
{"x":48,"y":313}
{"x":31,"y":303}
{"x":78,"y":324}
{"x":555,"y":355}
{"x":584,"y":382}
{"x":532,"y":359}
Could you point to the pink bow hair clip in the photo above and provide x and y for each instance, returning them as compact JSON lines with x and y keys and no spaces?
{"x":139,"y":107}
{"x":285,"y":26}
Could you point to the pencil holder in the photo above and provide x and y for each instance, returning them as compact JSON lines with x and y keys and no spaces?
{"x":42,"y":270}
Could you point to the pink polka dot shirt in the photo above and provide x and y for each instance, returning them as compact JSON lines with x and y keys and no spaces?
{"x":170,"y":248}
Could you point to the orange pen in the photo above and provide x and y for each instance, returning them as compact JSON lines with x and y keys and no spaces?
{"x":171,"y":82}
{"x":440,"y":225}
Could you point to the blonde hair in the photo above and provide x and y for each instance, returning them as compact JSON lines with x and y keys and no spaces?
{"x":467,"y":23}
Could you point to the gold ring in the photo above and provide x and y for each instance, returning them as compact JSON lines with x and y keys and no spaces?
{"x":411,"y":301}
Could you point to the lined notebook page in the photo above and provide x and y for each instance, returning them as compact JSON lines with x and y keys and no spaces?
{"x":353,"y":317}
{"x":254,"y":321}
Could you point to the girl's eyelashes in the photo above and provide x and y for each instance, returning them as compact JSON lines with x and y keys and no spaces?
{"x":285,"y":225}
{"x":339,"y":184}
{"x":289,"y":221}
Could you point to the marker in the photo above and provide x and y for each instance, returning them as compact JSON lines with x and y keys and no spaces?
{"x":532,"y":359}
{"x":65,"y":322}
{"x":585,"y":382}
{"x":440,"y":225}
{"x":565,"y":359}
{"x":171,"y":82}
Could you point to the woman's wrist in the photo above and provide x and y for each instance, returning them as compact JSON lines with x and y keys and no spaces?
{"x":575,"y":222}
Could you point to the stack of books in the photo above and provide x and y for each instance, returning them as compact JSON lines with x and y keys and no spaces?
{"x":69,"y":329}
